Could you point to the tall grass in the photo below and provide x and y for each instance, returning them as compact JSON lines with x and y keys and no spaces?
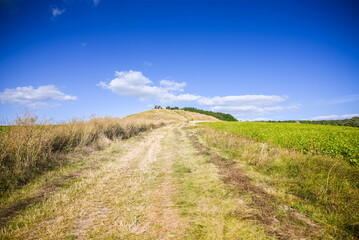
{"x":29,"y":148}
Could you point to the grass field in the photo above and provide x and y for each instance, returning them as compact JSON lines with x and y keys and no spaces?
{"x":325,"y":188}
{"x":335,"y":141}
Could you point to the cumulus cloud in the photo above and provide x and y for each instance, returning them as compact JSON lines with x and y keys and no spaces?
{"x":257,"y":100}
{"x":41,"y":96}
{"x":173,"y":86}
{"x":55,"y":11}
{"x":252,"y":110}
{"x":135,"y":84}
{"x":172,"y":98}
{"x":334,"y":117}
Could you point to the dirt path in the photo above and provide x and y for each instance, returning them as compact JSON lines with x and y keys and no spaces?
{"x":163,"y":185}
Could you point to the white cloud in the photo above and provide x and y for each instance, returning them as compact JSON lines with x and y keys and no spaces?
{"x":258,"y":100}
{"x":334,"y":117}
{"x":172,"y":98}
{"x":173,"y":86}
{"x":135,"y":84}
{"x":252,"y":110}
{"x":41,"y":96}
{"x":55,"y":11}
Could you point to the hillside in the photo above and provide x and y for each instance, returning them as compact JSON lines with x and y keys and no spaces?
{"x":166,"y":115}
{"x":219,"y":115}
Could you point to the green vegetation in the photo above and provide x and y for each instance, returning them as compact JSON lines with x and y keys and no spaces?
{"x":352,"y":122}
{"x":3,"y":128}
{"x":28,"y":149}
{"x":334,"y":141}
{"x":323,"y":188}
{"x":172,"y":108}
{"x":218,"y":115}
{"x":157,"y":107}
{"x":221,"y":116}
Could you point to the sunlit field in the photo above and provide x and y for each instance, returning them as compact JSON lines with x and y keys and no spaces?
{"x":314,"y":166}
{"x":335,"y":141}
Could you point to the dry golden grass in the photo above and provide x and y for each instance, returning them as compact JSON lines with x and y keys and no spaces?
{"x":171,"y":116}
{"x":193,"y":116}
{"x":28,"y":149}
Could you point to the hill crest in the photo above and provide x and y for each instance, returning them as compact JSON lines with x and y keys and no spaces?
{"x":171,"y":116}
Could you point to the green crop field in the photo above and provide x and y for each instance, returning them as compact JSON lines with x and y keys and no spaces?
{"x":335,"y":141}
{"x":3,"y":128}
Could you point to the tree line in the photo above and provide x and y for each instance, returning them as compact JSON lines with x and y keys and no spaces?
{"x":351,"y":122}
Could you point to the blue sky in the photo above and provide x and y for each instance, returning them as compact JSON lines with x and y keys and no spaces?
{"x":255,"y":59}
